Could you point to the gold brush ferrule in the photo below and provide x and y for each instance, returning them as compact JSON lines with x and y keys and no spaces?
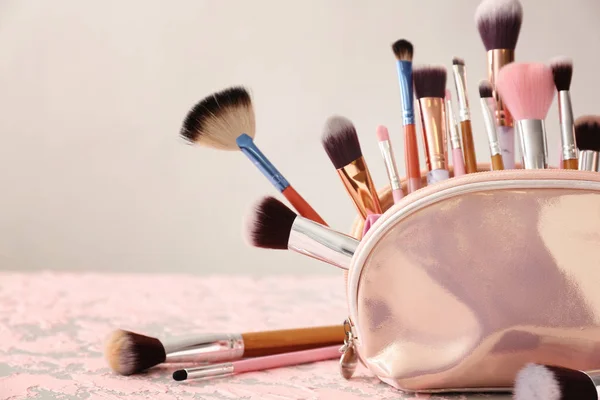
{"x":497,"y":59}
{"x":360,"y":187}
{"x":433,"y":119}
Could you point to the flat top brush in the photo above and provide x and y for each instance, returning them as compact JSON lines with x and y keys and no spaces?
{"x":562,"y":71}
{"x":272,"y":225}
{"x":460,"y":81}
{"x":430,"y":90}
{"x":403,"y":50}
{"x":528,"y":91}
{"x":546,"y":382}
{"x":487,"y":107}
{"x":225,"y":120}
{"x":587,"y":131}
{"x":341,"y":144}
{"x":129,"y":353}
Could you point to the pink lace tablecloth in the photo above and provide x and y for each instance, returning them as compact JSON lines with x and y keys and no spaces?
{"x":53,"y":327}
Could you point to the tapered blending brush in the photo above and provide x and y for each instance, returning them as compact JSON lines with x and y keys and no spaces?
{"x":562,"y":70}
{"x":430,"y":90}
{"x":385,"y":146}
{"x":487,"y":108}
{"x":341,"y":144}
{"x":527,"y":89}
{"x":272,"y":225}
{"x":499,"y":25}
{"x":403,"y":50}
{"x":129,"y":353}
{"x":457,"y":153}
{"x":548,"y":382}
{"x":460,"y":81}
{"x":225,"y":120}
{"x":587,"y":131}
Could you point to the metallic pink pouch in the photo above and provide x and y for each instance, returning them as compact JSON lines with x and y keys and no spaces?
{"x":460,"y":284}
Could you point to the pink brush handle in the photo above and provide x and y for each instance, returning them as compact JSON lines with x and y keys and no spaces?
{"x":458,"y":162}
{"x":287,"y":359}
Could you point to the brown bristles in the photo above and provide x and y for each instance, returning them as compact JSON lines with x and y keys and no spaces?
{"x":217,"y":120}
{"x":429,"y":81}
{"x":587,"y":132}
{"x":269,"y":224}
{"x":562,"y":70}
{"x":403,"y":50}
{"x":129,"y":353}
{"x":458,"y":61}
{"x":340,"y":141}
{"x":499,"y":23}
{"x":485,"y":89}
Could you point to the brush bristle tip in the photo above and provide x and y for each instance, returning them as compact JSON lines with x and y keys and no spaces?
{"x":180,"y":375}
{"x":429,"y":81}
{"x":403,"y":50}
{"x":382,"y":133}
{"x":458,"y":61}
{"x":340,"y":141}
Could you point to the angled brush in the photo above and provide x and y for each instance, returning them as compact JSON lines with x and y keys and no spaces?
{"x":487,"y":108}
{"x":562,"y":70}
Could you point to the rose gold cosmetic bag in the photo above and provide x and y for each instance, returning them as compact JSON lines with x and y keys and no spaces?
{"x":461,"y":283}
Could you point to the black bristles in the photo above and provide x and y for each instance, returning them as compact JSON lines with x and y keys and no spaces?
{"x":458,"y":61}
{"x":587,"y":132}
{"x":220,"y":118}
{"x":429,"y":81}
{"x":270,"y":224}
{"x":562,"y":70}
{"x":546,"y":382}
{"x":485,"y":89}
{"x":340,"y":141}
{"x":130,"y":353}
{"x":180,"y":375}
{"x":499,"y":23}
{"x":403,"y":49}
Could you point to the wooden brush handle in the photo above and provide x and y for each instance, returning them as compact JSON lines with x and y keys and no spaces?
{"x":301,"y":205}
{"x":258,"y":344}
{"x":571,"y":164}
{"x":411,"y":158}
{"x":497,"y":163}
{"x":468,"y":147}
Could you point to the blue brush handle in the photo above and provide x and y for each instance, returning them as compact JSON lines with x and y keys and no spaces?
{"x":247,"y":146}
{"x":406,"y":91}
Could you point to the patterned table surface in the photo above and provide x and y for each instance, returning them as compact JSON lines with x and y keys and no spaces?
{"x":53,"y":327}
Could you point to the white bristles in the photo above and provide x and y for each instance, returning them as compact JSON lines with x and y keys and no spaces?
{"x":490,"y":9}
{"x":536,"y":382}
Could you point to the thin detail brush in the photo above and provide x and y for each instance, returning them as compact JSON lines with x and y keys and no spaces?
{"x":587,"y":131}
{"x":457,"y":153}
{"x":562,"y":70}
{"x":460,"y":81}
{"x":499,"y":24}
{"x":403,"y":50}
{"x":225,"y":120}
{"x":341,"y":144}
{"x":385,"y":146}
{"x":487,"y":108}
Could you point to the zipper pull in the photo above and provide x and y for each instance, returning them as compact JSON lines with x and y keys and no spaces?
{"x":349,"y":358}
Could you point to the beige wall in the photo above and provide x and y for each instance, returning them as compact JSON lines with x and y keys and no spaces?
{"x":92,"y":94}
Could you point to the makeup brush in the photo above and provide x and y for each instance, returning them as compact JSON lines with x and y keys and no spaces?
{"x":430,"y":90}
{"x":129,"y":353}
{"x":527,"y":90}
{"x":385,"y":146}
{"x":545,"y":382}
{"x":341,"y":144}
{"x":225,"y":120}
{"x":487,"y":108}
{"x":272,"y":225}
{"x":562,"y":70}
{"x":499,"y":25}
{"x":258,"y":364}
{"x":460,"y":81}
{"x":457,"y":153}
{"x":403,"y":50}
{"x":587,"y":131}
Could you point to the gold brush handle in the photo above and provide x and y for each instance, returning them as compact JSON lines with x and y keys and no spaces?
{"x":468,"y":147}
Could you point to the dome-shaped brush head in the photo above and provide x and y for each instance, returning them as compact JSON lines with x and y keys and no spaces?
{"x":527,"y":89}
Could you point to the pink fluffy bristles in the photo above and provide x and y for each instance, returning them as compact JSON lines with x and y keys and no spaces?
{"x":527,"y":89}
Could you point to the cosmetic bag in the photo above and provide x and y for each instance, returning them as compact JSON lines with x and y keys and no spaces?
{"x":461,"y":283}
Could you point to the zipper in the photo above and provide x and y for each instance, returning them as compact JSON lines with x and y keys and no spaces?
{"x":490,"y":180}
{"x":349,"y":358}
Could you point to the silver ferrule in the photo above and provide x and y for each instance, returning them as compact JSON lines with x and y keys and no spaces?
{"x":490,"y":127}
{"x":322,"y":243}
{"x":533,"y":143}
{"x":212,"y":347}
{"x":210,"y":371}
{"x":460,"y":81}
{"x":588,"y":160}
{"x":390,"y":164}
{"x":451,"y":123}
{"x":567,"y":128}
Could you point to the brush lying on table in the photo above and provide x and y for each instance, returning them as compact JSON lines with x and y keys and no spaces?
{"x":547,"y":382}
